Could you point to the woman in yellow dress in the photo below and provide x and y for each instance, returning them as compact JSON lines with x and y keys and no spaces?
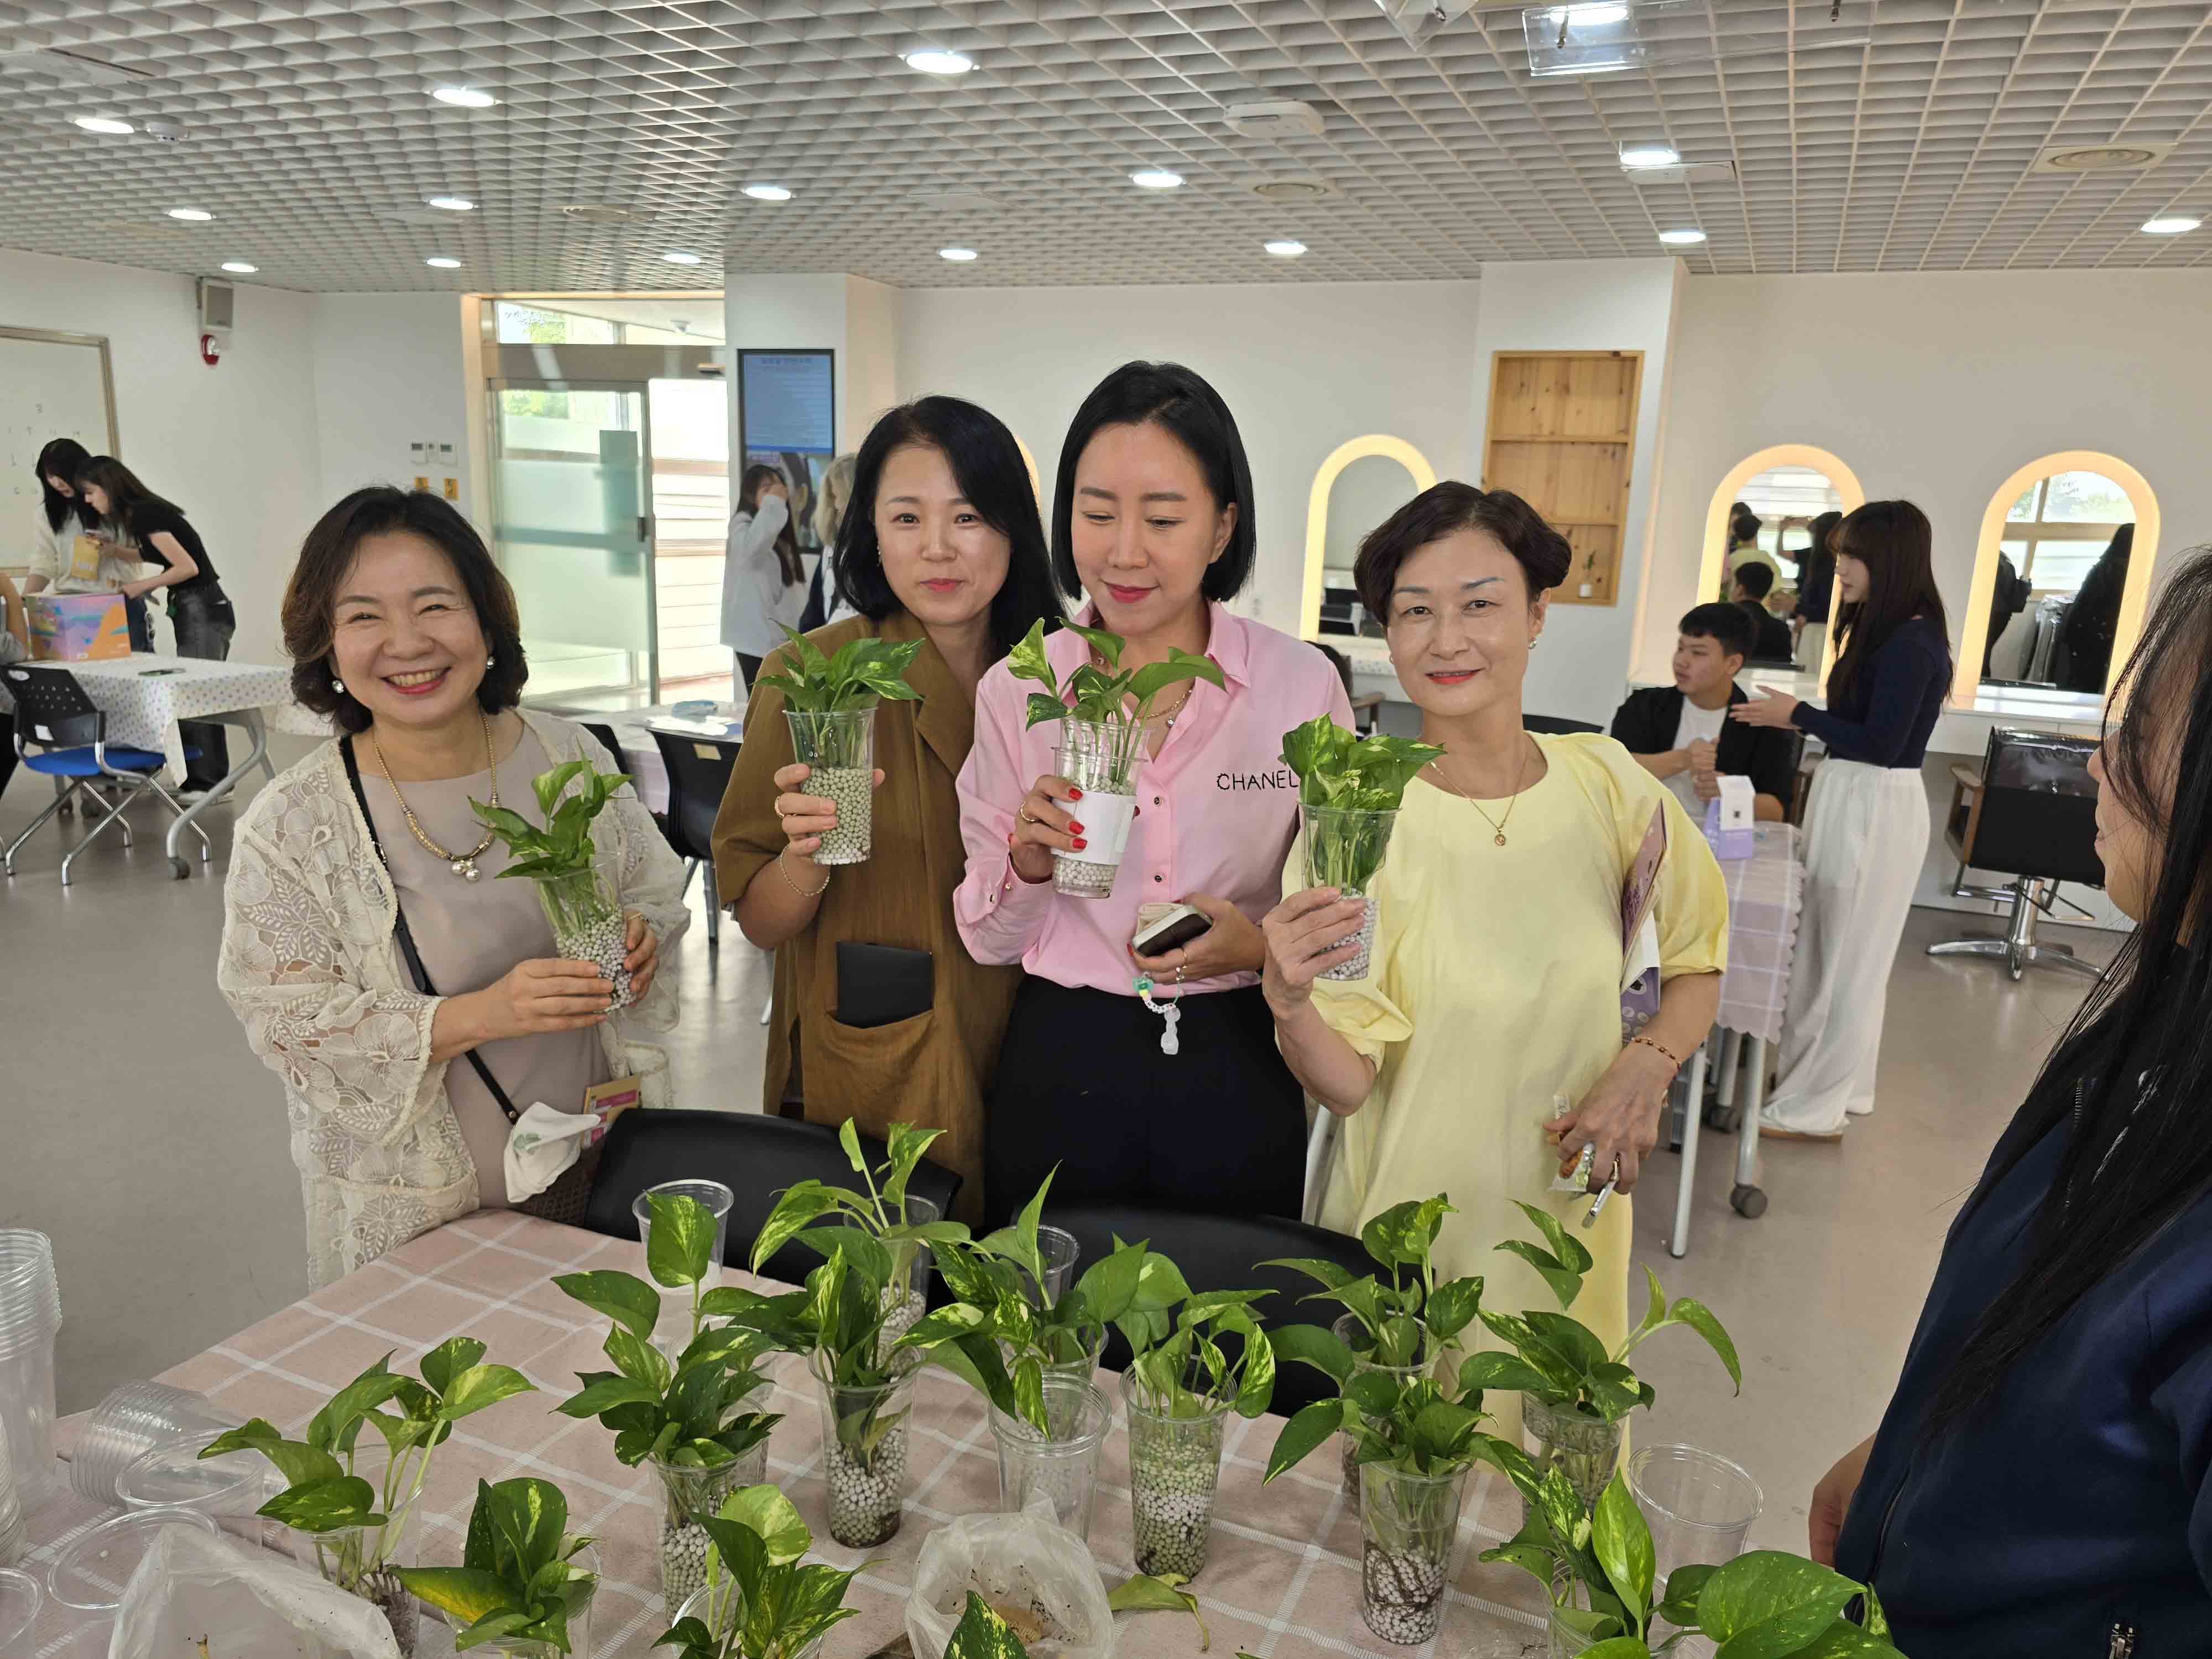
{"x":1495,"y":985}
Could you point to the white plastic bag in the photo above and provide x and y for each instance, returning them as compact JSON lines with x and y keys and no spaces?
{"x":247,"y":1604}
{"x":1034,"y":1570}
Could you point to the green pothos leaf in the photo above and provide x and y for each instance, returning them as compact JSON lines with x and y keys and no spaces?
{"x":982,"y":1634}
{"x":1146,"y":1594}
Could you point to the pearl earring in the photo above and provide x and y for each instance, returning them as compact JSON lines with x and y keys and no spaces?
{"x":337,"y":685}
{"x":491,"y":662}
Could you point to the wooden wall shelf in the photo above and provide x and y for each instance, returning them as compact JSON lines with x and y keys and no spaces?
{"x":1560,"y":435}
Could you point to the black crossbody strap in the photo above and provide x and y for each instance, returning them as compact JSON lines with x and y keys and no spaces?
{"x":406,"y":937}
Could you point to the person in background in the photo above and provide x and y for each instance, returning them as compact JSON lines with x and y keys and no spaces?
{"x":763,"y":578}
{"x":1744,"y":527}
{"x":1866,"y":823}
{"x":2093,"y":619}
{"x":1494,"y":991}
{"x":402,"y":630}
{"x":61,"y":518}
{"x":1816,"y":582}
{"x":824,"y":606}
{"x":2010,"y":594}
{"x":1770,"y":634}
{"x":1682,"y":734}
{"x":1152,"y":517}
{"x":2042,"y":1476}
{"x":941,"y":542}
{"x":15,"y":646}
{"x":200,"y":614}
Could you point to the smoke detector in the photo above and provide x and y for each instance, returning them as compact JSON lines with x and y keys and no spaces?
{"x":166,"y":132}
{"x":1296,"y":187}
{"x":597,"y":213}
{"x":1277,"y":118}
{"x":2132,"y":156}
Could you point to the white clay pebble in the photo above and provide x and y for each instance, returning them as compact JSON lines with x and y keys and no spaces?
{"x":603,"y":946}
{"x":898,"y":1321}
{"x":1170,"y":1520}
{"x":1357,"y":968}
{"x":865,"y":1498}
{"x":1404,"y":1595}
{"x":849,"y":787}
{"x":683,"y":1563}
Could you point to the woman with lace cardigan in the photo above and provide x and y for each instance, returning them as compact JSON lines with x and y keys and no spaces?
{"x":403,"y":630}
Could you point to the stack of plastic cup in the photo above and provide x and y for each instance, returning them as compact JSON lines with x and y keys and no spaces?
{"x":30,"y":1319}
{"x":12,"y":1524}
{"x":132,"y":1420}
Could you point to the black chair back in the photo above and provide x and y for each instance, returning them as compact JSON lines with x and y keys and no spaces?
{"x":2038,"y":809}
{"x":754,"y":1156}
{"x":698,"y":776}
{"x":51,"y":709}
{"x":606,"y":734}
{"x":1223,"y":1253}
{"x":1556,"y":724}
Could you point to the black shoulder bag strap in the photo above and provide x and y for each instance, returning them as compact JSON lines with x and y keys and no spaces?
{"x":406,"y":938}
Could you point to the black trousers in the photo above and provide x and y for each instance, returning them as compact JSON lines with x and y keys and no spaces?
{"x":1219,"y":1127}
{"x":204,"y":623}
{"x":749,"y":667}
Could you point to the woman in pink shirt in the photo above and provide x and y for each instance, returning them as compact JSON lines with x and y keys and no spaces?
{"x":1152,"y":517}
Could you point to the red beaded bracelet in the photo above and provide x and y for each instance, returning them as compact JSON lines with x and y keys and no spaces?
{"x":1648,"y":1042}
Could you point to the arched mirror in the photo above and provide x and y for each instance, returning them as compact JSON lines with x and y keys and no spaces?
{"x":1759,"y":547}
{"x":2062,"y":573}
{"x":1360,"y":484}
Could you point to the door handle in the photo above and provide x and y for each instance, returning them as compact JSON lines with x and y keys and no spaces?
{"x":644,"y":528}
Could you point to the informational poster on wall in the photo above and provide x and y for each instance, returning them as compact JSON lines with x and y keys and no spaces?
{"x":787,"y":421}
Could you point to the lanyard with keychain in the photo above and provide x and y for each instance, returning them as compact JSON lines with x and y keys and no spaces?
{"x":1170,"y":1010}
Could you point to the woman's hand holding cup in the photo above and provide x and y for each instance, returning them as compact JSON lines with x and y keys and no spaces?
{"x":806,"y":818}
{"x":1044,"y":824}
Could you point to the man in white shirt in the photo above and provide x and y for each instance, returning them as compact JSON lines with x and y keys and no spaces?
{"x":1682,"y":733}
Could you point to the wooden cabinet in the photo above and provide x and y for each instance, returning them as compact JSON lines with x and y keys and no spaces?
{"x":1561,"y":433}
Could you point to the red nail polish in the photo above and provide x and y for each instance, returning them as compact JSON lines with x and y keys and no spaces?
{"x":1073,"y":793}
{"x":1080,"y":844}
{"x":1073,"y":828}
{"x":1010,"y":838}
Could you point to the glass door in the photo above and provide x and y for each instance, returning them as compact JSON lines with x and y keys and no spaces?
{"x":572,"y":525}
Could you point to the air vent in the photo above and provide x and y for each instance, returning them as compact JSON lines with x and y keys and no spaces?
{"x":595,"y":213}
{"x":69,"y":68}
{"x":955,"y":201}
{"x":137,"y":227}
{"x":1687,"y":172}
{"x":2131,"y":156}
{"x":1302,"y":187}
{"x":1277,"y":118}
{"x":415,"y":216}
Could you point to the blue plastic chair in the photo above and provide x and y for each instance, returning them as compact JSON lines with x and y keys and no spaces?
{"x":70,"y":734}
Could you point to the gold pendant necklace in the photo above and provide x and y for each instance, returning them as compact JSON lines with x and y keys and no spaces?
{"x":463,"y":865}
{"x":1497,"y":824}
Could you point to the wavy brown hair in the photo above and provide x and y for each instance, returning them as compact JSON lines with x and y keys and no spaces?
{"x":327,"y":557}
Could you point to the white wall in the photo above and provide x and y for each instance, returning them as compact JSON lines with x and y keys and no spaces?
{"x":388,"y":371}
{"x":234,"y":446}
{"x":1303,"y":367}
{"x":1601,"y":305}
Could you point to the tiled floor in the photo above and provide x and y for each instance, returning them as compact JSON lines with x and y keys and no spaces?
{"x":143,"y":1136}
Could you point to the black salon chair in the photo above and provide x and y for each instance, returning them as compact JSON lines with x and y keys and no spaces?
{"x":606,"y":734}
{"x":755,"y":1156}
{"x":1223,"y":1252}
{"x":1366,"y":706}
{"x":1556,"y":724}
{"x":698,"y":776}
{"x":2031,"y":814}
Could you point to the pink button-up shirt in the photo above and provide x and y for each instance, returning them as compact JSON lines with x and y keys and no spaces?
{"x":1217,"y":809}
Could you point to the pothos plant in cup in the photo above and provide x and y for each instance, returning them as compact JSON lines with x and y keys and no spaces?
{"x":584,"y":909}
{"x":521,"y":1583}
{"x":694,"y":1418}
{"x":760,"y":1599}
{"x":1104,"y":715}
{"x":356,"y":1526}
{"x":1400,"y":1327}
{"x":1574,"y":1393}
{"x":1599,"y":1568}
{"x":830,"y":702}
{"x":1349,"y":791}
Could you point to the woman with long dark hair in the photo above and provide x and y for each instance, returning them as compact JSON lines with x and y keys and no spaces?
{"x":1866,"y":824}
{"x":70,"y":552}
{"x":880,"y":1014}
{"x":1179,"y":1100}
{"x":200,"y":614}
{"x":1816,"y":581}
{"x":2093,"y":619}
{"x":763,"y":580}
{"x":2041,"y":1482}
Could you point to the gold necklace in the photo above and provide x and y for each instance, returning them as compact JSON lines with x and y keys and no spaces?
{"x":463,"y":865}
{"x":1497,"y":824}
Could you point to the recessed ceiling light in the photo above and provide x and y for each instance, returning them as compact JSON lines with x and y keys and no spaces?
{"x":1652,"y":154}
{"x":678,"y":257}
{"x":1681,"y":237}
{"x":1155,"y":178}
{"x":1283,"y":247}
{"x":2171,"y":224}
{"x":439,"y":262}
{"x":238,"y":267}
{"x":467,"y":97}
{"x":195,"y":216}
{"x":103,"y":124}
{"x":959,"y":256}
{"x":934,"y":60}
{"x":768,"y":192}
{"x":451,"y":204}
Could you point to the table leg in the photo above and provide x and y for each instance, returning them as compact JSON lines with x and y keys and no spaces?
{"x":1726,"y":1095}
{"x":251,"y":721}
{"x":1746,"y":1197}
{"x":1693,"y":1123}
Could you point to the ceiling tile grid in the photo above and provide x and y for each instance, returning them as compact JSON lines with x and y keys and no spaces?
{"x":1875,"y":135}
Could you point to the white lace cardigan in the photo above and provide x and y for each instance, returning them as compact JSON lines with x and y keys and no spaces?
{"x":309,"y":965}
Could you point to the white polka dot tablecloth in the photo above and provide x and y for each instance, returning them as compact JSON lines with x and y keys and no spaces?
{"x":145,"y":695}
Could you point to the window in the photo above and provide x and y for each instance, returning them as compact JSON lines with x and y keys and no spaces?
{"x":2060,"y":525}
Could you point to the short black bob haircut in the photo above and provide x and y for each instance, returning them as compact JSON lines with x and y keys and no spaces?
{"x":1725,"y":622}
{"x":1444,"y":510}
{"x":1178,"y":400}
{"x":987,"y":464}
{"x":326,"y":558}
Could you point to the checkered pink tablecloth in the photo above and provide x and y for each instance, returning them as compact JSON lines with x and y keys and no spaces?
{"x":1282,"y":1579}
{"x":1766,"y":893}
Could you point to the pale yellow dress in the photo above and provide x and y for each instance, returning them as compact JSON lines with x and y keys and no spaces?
{"x":1496,"y":985}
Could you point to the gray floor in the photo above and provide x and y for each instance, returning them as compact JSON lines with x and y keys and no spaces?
{"x":145,"y":1139}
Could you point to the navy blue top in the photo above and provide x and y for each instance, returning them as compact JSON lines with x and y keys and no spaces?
{"x":1887,"y":714}
{"x":2075,"y":1497}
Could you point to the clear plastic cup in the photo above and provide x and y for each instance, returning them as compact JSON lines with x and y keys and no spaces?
{"x":1699,"y":1506}
{"x":30,"y":1319}
{"x":134,"y":1418}
{"x":90,"y":1573}
{"x":227,"y":1490}
{"x":671,"y":1333}
{"x":18,"y":1609}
